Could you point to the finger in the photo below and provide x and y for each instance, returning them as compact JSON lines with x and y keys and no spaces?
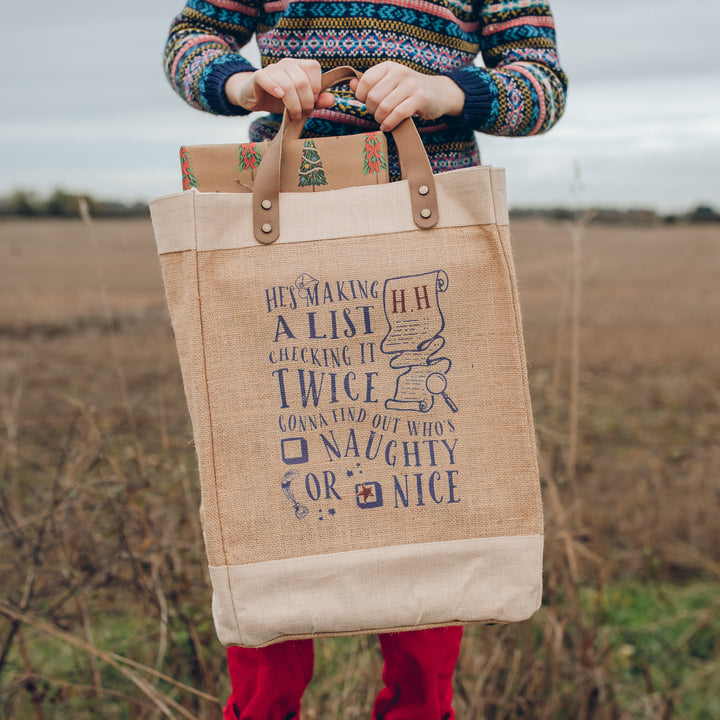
{"x":386,"y":93}
{"x":268,"y":83}
{"x":314,"y":72}
{"x":325,"y":100}
{"x":292,"y":78}
{"x":287,"y":94}
{"x":302,"y":87}
{"x":368,"y":80}
{"x":276,"y":80}
{"x":407,"y":108}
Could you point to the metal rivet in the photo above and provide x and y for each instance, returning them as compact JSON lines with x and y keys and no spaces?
{"x":266,"y":204}
{"x":266,"y":228}
{"x":423,"y":189}
{"x":426,"y":212}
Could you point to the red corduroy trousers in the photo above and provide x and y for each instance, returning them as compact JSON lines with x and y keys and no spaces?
{"x":268,"y":683}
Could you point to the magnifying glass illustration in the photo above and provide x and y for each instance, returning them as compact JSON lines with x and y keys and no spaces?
{"x":436,"y":383}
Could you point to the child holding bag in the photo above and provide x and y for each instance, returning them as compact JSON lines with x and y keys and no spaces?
{"x":416,"y":57}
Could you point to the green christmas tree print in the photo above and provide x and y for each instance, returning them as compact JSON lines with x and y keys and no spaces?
{"x":311,"y":169}
{"x":373,"y":158}
{"x":188,"y":176}
{"x":249,"y":158}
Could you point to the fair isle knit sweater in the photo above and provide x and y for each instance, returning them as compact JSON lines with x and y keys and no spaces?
{"x":519,"y":91}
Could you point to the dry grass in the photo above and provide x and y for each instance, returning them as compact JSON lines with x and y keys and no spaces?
{"x":104,"y":598}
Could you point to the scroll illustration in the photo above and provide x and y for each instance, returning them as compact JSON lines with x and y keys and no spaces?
{"x":415,"y":323}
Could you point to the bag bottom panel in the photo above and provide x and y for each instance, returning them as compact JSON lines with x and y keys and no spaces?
{"x":385,"y":589}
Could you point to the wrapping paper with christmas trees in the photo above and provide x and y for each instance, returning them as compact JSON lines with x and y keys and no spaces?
{"x":309,"y":165}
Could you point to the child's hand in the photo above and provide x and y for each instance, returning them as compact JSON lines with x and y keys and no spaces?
{"x":393,"y":92}
{"x":289,"y":83}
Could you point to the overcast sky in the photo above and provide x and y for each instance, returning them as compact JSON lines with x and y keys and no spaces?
{"x":85,"y":105}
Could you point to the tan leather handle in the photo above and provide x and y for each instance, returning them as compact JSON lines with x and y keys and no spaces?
{"x":414,"y":167}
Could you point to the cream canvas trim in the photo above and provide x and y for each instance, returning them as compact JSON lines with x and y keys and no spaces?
{"x":428,"y":584}
{"x":472,"y":196}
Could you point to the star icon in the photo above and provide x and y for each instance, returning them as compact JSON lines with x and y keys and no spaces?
{"x":331,"y":511}
{"x":365,"y":493}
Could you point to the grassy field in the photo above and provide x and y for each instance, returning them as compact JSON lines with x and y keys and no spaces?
{"x":104,"y":601}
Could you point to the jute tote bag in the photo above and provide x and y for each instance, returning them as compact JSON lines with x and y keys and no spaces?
{"x":355,"y":373}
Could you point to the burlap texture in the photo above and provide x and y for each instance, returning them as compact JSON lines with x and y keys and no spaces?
{"x":251,"y":368}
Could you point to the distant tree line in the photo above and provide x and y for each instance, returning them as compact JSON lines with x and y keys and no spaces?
{"x":631,"y":216}
{"x":62,"y":204}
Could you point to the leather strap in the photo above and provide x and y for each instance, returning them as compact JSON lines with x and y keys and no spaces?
{"x":414,"y":167}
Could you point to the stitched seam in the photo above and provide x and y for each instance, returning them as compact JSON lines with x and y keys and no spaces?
{"x":509,"y":269}
{"x":210,"y":417}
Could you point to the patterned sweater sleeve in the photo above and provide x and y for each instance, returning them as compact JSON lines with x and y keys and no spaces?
{"x":203,"y":50}
{"x":521,"y":90}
